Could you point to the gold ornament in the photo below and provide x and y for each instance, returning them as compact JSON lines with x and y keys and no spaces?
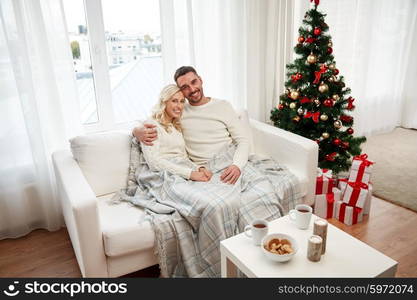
{"x":311,"y":59}
{"x":331,"y":79}
{"x":293,"y":105}
{"x":336,"y":97}
{"x":337,"y":124}
{"x":330,"y":44}
{"x":296,"y":119}
{"x":325,"y":135}
{"x":323,"y":87}
{"x":332,"y":66}
{"x":317,"y":102}
{"x":300,"y":111}
{"x":294,"y":95}
{"x":324,"y":117}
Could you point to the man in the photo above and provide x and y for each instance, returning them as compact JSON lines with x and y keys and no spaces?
{"x":209,"y":125}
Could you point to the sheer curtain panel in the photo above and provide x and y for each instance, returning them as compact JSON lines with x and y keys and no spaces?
{"x":39,"y":112}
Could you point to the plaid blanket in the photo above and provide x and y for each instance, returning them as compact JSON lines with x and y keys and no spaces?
{"x":191,"y":218}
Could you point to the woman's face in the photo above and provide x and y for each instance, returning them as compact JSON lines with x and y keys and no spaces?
{"x":175,"y":106}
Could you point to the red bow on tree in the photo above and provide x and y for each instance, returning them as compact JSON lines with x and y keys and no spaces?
{"x":331,"y":156}
{"x":314,"y":116}
{"x":305,"y":100}
{"x":316,"y":2}
{"x":350,"y":103}
{"x":318,"y":73}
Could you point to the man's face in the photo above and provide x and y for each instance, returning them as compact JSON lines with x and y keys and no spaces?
{"x":191,"y":86}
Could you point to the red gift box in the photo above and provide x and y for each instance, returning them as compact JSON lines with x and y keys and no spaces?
{"x":324,"y":204}
{"x":361,"y":169}
{"x":348,"y":214}
{"x":324,"y":181}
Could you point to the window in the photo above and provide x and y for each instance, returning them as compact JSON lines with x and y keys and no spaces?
{"x":125,"y":67}
{"x":80,"y":48}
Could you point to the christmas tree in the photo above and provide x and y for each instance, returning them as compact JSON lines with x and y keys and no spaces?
{"x":316,"y":103}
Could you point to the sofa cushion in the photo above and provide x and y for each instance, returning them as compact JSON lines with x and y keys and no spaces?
{"x":104,"y":159}
{"x":124,"y":228}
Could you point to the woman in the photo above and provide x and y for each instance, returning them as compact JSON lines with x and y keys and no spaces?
{"x":168,"y":152}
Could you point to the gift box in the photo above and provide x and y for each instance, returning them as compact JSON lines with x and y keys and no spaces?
{"x":324,"y":181}
{"x":324,"y":204}
{"x":361,"y":169}
{"x":341,"y":184}
{"x":347,"y":214}
{"x":355,"y":194}
{"x":367,"y":206}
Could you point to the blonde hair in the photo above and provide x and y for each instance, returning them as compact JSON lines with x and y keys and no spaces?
{"x":159,"y":114}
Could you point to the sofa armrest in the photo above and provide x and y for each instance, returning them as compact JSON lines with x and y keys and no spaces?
{"x":79,"y":204}
{"x":297,"y":153}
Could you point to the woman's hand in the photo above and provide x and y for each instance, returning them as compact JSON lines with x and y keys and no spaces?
{"x":206,"y":172}
{"x":198,"y":176}
{"x":230,"y":175}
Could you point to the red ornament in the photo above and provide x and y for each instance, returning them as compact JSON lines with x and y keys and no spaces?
{"x":331,"y":156}
{"x":350,"y":105}
{"x":298,"y":76}
{"x":310,"y":40}
{"x":346,"y":119}
{"x":281,"y":106}
{"x":301,"y":39}
{"x":350,"y":130}
{"x":317,"y":31}
{"x":335,"y":71}
{"x":328,"y":102}
{"x":336,"y":142}
{"x":345,"y":145}
{"x":329,"y":50}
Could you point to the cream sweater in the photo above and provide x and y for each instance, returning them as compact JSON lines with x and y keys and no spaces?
{"x":210,"y":127}
{"x":168,"y":145}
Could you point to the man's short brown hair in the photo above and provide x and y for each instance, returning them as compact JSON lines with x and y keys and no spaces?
{"x":183,"y":70}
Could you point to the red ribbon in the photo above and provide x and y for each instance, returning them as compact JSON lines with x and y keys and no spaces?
{"x":350,"y":103}
{"x":316,"y":2}
{"x":315,"y":116}
{"x":318,"y":73}
{"x":330,"y":204}
{"x":305,"y":100}
{"x":342,"y":212}
{"x":356,"y":212}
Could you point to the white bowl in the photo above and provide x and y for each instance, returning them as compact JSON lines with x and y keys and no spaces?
{"x":275,"y":256}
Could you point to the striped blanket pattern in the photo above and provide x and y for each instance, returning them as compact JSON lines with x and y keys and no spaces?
{"x":190,"y":218}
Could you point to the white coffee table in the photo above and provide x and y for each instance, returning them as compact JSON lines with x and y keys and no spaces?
{"x":345,"y":256}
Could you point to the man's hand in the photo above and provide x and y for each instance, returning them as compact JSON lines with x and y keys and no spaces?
{"x":206,"y":172}
{"x":198,"y":176}
{"x":230,"y":175}
{"x":146,"y":134}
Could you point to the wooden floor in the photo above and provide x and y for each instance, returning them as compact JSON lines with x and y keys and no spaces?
{"x":389,"y":228}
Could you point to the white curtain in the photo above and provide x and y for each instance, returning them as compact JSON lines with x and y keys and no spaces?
{"x":38,"y":107}
{"x":237,"y":46}
{"x":372,"y":43}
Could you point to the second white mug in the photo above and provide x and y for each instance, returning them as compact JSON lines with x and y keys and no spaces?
{"x":257,"y":230}
{"x":301,"y":215}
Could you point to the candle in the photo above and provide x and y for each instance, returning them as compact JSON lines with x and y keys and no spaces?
{"x":320,"y":229}
{"x":314,"y":248}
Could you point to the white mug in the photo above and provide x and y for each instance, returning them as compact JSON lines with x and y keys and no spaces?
{"x":301,"y":215}
{"x":257,"y":230}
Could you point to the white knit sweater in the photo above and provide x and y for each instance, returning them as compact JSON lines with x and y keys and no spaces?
{"x":210,"y":127}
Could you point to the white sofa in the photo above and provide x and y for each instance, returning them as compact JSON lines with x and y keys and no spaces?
{"x":111,"y":240}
